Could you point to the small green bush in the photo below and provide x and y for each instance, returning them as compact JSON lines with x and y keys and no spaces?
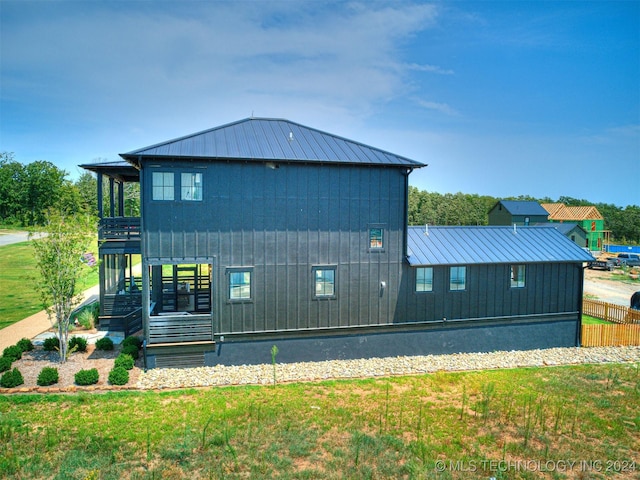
{"x":118,"y":376}
{"x":124,"y":360}
{"x":48,"y":376}
{"x":11,"y":379}
{"x":51,"y":344}
{"x":5,"y":364}
{"x":87,"y":377}
{"x":77,"y":344}
{"x":13,"y":352}
{"x":25,"y":345}
{"x":104,"y":343}
{"x":132,"y":340}
{"x":130,"y":350}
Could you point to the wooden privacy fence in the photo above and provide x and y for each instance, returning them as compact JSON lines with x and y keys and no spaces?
{"x":610,"y":312}
{"x":616,"y":335}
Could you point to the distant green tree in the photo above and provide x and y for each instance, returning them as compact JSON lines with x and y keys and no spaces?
{"x":12,"y":189}
{"x":59,"y":258}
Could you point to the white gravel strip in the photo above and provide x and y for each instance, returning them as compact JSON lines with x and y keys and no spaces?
{"x":160,"y":378}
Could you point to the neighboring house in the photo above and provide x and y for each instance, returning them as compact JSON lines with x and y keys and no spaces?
{"x":588,"y":217}
{"x":265,"y":232}
{"x":573,"y":231}
{"x":510,"y":212}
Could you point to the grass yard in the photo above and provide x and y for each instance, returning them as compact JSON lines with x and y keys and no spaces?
{"x":18,"y":298}
{"x":560,"y":422}
{"x":589,"y":320}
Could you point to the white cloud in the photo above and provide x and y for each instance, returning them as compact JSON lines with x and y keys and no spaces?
{"x":438,"y":107}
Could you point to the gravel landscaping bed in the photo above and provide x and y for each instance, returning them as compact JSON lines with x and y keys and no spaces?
{"x":378,"y":367}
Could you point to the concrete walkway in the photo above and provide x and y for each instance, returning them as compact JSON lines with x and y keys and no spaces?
{"x":36,"y":324}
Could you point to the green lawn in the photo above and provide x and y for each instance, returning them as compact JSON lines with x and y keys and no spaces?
{"x":515,"y":424}
{"x":18,"y":298}
{"x":588,"y":320}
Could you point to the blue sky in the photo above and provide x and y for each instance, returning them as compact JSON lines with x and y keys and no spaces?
{"x":499,"y":98}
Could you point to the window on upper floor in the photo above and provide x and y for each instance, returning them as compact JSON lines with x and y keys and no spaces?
{"x":457,"y":278}
{"x":376,"y":238}
{"x":162,"y":186}
{"x":191,"y":187}
{"x":517,"y":276}
{"x":424,"y":279}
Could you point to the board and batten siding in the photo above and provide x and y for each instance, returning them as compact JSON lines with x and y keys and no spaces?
{"x":550,"y":288}
{"x":282,"y":222}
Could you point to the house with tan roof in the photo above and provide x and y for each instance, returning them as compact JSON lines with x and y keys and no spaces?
{"x":588,"y":217}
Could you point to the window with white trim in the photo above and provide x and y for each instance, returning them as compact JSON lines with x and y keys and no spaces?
{"x":162,"y":186}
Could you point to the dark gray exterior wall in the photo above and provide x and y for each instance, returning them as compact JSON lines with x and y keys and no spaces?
{"x":501,"y":216}
{"x":282,"y":222}
{"x":549,"y":288}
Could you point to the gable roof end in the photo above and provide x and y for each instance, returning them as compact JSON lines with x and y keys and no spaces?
{"x":269,"y":139}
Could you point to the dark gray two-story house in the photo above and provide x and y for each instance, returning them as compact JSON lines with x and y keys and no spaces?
{"x":265,"y":232}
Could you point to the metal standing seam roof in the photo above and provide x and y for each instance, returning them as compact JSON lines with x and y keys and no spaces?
{"x":518,"y":207}
{"x":492,"y":244}
{"x":269,"y":139}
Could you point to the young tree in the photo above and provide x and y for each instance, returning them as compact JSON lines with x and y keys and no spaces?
{"x":60,"y":261}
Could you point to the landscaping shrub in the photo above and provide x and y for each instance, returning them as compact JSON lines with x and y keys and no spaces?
{"x":118,"y":376}
{"x":13,"y":352}
{"x":77,"y":344}
{"x":5,"y":364}
{"x":51,"y":344}
{"x":85,"y":318}
{"x":25,"y":345}
{"x":11,"y":379}
{"x":132,"y":340}
{"x":105,"y":343}
{"x":124,"y":360}
{"x":87,"y":377}
{"x":130,"y":350}
{"x":48,"y":376}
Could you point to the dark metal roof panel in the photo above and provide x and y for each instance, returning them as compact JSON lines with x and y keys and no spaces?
{"x":265,"y":139}
{"x":483,"y":245}
{"x":518,"y":207}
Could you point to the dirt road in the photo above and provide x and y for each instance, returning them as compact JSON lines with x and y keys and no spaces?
{"x":601,"y":285}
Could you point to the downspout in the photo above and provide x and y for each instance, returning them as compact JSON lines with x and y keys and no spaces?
{"x":405,"y":226}
{"x":146,"y":294}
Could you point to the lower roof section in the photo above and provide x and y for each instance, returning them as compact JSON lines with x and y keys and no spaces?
{"x":438,"y":245}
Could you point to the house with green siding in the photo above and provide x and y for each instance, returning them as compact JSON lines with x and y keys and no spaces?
{"x":588,"y":217}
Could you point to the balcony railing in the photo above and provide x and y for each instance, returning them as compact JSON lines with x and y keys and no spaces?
{"x":179,"y":328}
{"x":119,"y":228}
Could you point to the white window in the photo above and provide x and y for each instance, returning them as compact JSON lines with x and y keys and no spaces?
{"x":191,"y":187}
{"x":457,"y":278}
{"x":517,"y":276}
{"x":162,"y":186}
{"x":424,"y":279}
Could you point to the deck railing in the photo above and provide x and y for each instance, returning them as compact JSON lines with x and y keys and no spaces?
{"x":119,"y":228}
{"x":179,"y":328}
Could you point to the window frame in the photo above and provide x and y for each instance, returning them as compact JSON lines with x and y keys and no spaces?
{"x":517,"y":280}
{"x":191,"y":186}
{"x":458,"y":286}
{"x":164,"y":188}
{"x":322,"y":268}
{"x":371,"y":239}
{"x":230,"y":271}
{"x":424,"y":282}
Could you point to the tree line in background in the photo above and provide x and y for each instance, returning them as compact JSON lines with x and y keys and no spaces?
{"x":27,"y":192}
{"x":470,"y":209}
